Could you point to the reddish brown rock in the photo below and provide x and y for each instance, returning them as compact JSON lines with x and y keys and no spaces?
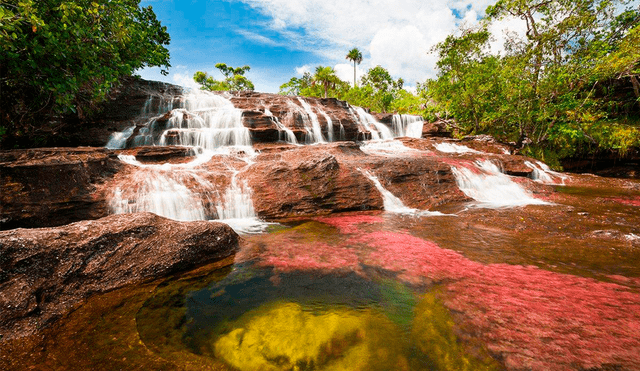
{"x":294,"y":181}
{"x":53,"y":186}
{"x":46,"y":272}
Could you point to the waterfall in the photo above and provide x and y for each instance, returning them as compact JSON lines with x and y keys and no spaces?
{"x":205,"y":120}
{"x":491,"y":188}
{"x":366,"y":120}
{"x":543,"y":174}
{"x":407,"y":126}
{"x":289,"y":136}
{"x":163,"y":190}
{"x":314,"y":133}
{"x":392,"y":203}
{"x":236,"y":208}
{"x":330,"y":136}
{"x":454,"y":148}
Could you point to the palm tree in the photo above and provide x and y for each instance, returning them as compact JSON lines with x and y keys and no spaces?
{"x":327,"y":77}
{"x":356,"y":56}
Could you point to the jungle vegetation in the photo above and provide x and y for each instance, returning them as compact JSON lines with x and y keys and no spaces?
{"x":61,"y":58}
{"x":567,"y":88}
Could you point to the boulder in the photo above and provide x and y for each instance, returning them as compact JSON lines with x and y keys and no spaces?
{"x":46,"y":272}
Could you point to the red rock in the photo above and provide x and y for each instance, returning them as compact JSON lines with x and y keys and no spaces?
{"x":46,"y":272}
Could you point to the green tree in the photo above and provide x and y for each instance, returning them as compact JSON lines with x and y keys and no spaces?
{"x":551,"y":89}
{"x":234,"y":79}
{"x":326,"y":77}
{"x":355,"y":56}
{"x":383,"y":87}
{"x":60,"y":59}
{"x":298,"y":86}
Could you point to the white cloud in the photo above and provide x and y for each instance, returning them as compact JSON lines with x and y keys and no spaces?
{"x":396,"y":34}
{"x":345,"y":72}
{"x":185,"y":80}
{"x":303,"y":69}
{"x":258,"y":38}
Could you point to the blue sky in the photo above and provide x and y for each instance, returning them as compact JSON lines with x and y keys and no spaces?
{"x":280,"y":39}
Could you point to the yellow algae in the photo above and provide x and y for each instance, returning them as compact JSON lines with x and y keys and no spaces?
{"x":433,"y":334}
{"x":284,"y":336}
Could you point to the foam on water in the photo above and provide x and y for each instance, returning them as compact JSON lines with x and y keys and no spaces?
{"x":388,"y":148}
{"x":454,"y":148}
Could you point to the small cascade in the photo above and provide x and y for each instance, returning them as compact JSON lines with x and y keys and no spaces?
{"x":454,"y":148}
{"x":314,"y":132}
{"x":407,"y":126}
{"x":392,"y":203}
{"x":236,"y":208}
{"x":289,"y":136}
{"x":330,"y":135}
{"x":543,"y":174}
{"x":366,"y":120}
{"x":163,"y":190}
{"x":387,"y":148}
{"x":491,"y":188}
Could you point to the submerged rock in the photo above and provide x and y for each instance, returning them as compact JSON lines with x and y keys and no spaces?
{"x":44,"y":273}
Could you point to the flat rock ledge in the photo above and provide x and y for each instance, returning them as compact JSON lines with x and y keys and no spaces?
{"x":46,"y":272}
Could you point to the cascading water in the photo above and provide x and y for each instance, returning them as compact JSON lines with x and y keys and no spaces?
{"x":369,"y":123}
{"x":311,"y":123}
{"x":212,"y":126}
{"x":205,"y":120}
{"x":392,"y":203}
{"x":289,"y":136}
{"x":388,"y":148}
{"x":330,"y":136}
{"x":407,"y":126}
{"x":543,"y":174}
{"x":491,"y":188}
{"x":163,"y":190}
{"x":454,"y":148}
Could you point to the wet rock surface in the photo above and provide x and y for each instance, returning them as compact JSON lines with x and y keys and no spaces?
{"x":47,"y":272}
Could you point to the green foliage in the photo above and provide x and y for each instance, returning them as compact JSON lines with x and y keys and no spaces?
{"x":378,"y":91}
{"x":234,"y":79}
{"x":61,"y":58}
{"x":557,"y":88}
{"x":326,"y":77}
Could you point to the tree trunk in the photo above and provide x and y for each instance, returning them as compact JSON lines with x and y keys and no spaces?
{"x":354,"y":74}
{"x":636,"y":85}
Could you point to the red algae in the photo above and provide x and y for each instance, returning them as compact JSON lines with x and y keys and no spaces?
{"x":627,"y":201}
{"x":535,"y":319}
{"x":310,"y":256}
{"x":348,"y":224}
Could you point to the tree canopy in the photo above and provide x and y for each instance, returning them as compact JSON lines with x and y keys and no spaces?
{"x":61,"y":58}
{"x":234,"y":79}
{"x":568,"y":87}
{"x":355,"y":56}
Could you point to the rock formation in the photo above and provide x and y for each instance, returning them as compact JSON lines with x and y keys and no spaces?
{"x":45,"y":272}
